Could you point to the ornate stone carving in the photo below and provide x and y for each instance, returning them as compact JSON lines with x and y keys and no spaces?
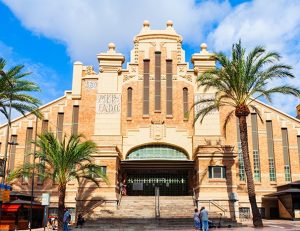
{"x":163,"y":77}
{"x":127,"y":77}
{"x":188,"y":77}
{"x":90,"y":70}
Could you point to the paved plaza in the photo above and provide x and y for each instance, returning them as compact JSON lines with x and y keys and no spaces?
{"x":270,"y":225}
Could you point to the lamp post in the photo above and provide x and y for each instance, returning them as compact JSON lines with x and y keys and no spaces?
{"x":7,"y":137}
{"x":32,"y":178}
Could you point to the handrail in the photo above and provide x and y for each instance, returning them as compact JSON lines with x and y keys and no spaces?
{"x":213,"y":202}
{"x":157,"y":209}
{"x":219,"y":206}
{"x":119,"y":197}
{"x":194,"y":198}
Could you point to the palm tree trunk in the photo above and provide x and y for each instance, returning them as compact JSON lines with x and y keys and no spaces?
{"x":61,"y":206}
{"x":257,"y":221}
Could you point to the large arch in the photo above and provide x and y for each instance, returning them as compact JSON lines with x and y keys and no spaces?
{"x":155,"y":151}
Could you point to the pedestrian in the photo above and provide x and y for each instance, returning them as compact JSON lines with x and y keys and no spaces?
{"x":204,"y":219}
{"x":80,"y":221}
{"x":196,"y":220}
{"x":66,"y":219}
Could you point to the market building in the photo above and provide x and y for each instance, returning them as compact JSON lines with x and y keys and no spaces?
{"x":141,"y":119}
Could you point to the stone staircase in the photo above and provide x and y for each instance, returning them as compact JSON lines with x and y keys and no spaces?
{"x":138,"y":213}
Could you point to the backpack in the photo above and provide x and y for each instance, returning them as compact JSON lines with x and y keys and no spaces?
{"x":69,"y":218}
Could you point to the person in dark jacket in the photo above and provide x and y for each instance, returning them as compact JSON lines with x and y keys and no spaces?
{"x":80,"y":221}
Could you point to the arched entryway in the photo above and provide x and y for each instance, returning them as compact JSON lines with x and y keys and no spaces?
{"x":163,"y":166}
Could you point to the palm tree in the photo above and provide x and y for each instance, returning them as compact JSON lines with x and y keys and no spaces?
{"x":238,"y":82}
{"x":63,"y":162}
{"x":14,"y":90}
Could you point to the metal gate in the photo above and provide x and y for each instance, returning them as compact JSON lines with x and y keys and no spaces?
{"x":170,"y":182}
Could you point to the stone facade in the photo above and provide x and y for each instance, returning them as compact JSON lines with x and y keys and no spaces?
{"x":103,"y":117}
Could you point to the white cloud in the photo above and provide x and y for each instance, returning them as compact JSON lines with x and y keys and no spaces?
{"x":274,"y":24}
{"x":86,"y":27}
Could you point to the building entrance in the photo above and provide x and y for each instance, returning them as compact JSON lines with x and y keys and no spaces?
{"x":170,"y":182}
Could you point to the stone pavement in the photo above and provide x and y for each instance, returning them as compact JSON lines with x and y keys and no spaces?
{"x":270,"y":225}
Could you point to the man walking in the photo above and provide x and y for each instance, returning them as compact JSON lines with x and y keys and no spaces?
{"x":66,"y":220}
{"x":204,"y":219}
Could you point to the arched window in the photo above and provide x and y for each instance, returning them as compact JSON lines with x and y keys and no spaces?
{"x":129,"y":102}
{"x":185,"y":103}
{"x":157,"y":152}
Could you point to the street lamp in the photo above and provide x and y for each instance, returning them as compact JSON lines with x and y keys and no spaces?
{"x":32,"y":178}
{"x":2,"y":73}
{"x":7,"y":133}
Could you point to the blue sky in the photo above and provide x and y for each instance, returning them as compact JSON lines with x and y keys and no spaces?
{"x":48,"y":36}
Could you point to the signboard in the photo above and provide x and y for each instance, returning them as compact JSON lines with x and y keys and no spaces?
{"x":2,"y":164}
{"x":5,"y":193}
{"x":45,"y":199}
{"x":137,"y":186}
{"x":109,"y":103}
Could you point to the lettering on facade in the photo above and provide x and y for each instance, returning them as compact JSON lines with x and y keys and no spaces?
{"x":203,"y":96}
{"x":108,"y":103}
{"x":91,"y":84}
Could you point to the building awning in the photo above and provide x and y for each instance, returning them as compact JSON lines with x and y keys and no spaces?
{"x":287,"y":191}
{"x":10,"y":208}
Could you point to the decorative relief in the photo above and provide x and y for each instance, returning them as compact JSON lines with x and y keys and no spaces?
{"x":90,"y":70}
{"x":91,"y":84}
{"x":127,"y":77}
{"x":163,"y":77}
{"x":151,"y":77}
{"x":158,"y":131}
{"x":108,"y":103}
{"x":188,"y":77}
{"x":203,"y":96}
{"x":140,"y":77}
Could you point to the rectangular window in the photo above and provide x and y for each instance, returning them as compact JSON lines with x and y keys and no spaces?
{"x":256,"y":158}
{"x":218,"y":172}
{"x":286,"y":155}
{"x":146,"y":87}
{"x":240,"y":154}
{"x":272,"y":170}
{"x":298,"y":142}
{"x":45,"y":124}
{"x":75,"y":119}
{"x":157,"y":90}
{"x":169,"y":89}
{"x":13,"y":147}
{"x":129,"y":102}
{"x":244,"y":212}
{"x":41,"y":170}
{"x":185,"y":103}
{"x":28,"y":142}
{"x":60,"y":122}
{"x":103,"y":170}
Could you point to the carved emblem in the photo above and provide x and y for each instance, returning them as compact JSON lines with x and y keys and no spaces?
{"x":91,"y":84}
{"x":157,"y":131}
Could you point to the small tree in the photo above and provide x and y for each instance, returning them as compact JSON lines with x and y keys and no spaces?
{"x":63,"y":162}
{"x":238,"y":82}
